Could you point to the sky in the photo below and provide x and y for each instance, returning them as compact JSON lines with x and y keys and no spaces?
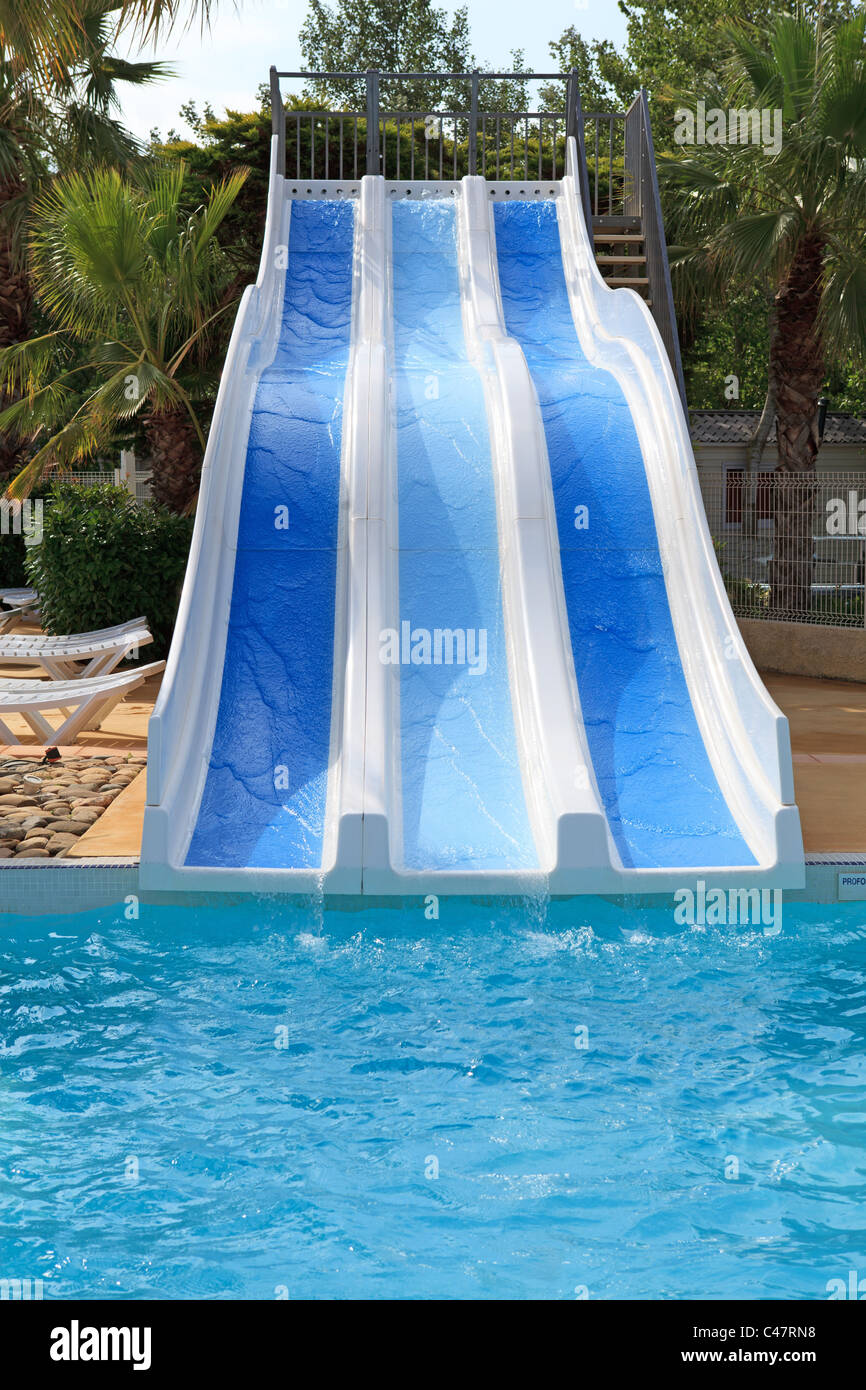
{"x":226,"y":65}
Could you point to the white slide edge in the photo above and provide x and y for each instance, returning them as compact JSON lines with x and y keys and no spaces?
{"x":746,"y":735}
{"x":180,"y":731}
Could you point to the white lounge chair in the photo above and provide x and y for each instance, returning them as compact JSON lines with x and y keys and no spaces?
{"x":85,"y":702}
{"x":21,"y":605}
{"x":60,"y":656}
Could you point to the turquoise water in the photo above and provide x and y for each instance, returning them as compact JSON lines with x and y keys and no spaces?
{"x":412,"y":1044}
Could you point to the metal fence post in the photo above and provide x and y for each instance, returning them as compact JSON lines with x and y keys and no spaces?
{"x":278,"y":120}
{"x":473,"y":124}
{"x":574,"y":126}
{"x":372,"y":121}
{"x":572,"y":99}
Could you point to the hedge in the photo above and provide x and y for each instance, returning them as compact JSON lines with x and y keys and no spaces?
{"x":105,"y":559}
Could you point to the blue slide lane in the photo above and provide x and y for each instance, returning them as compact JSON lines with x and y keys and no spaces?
{"x":275,"y":703}
{"x":660,"y":794}
{"x":462,"y":793}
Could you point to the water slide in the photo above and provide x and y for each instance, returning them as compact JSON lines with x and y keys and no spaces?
{"x":452,"y":620}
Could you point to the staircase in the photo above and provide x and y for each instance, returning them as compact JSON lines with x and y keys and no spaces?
{"x":620,"y":253}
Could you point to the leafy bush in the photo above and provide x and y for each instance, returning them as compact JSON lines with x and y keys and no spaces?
{"x":12,"y":552}
{"x":104,"y":559}
{"x":12,"y":547}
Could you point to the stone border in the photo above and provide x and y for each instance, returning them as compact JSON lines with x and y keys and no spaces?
{"x":45,"y":808}
{"x":806,"y":649}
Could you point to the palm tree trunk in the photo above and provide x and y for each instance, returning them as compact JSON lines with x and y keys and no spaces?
{"x":797,"y":365}
{"x":175,"y":458}
{"x":15,"y":304}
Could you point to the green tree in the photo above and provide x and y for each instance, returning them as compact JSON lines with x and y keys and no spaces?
{"x":795,"y":218}
{"x":673,"y":45}
{"x":222,"y":146}
{"x":53,"y":119}
{"x":572,"y":52}
{"x":136,"y":291}
{"x":391,"y":36}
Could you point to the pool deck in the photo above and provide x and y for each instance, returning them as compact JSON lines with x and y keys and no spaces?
{"x":828,"y":738}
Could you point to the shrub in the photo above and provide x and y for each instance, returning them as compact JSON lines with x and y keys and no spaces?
{"x":12,"y":547}
{"x":12,"y":552}
{"x":105,"y":559}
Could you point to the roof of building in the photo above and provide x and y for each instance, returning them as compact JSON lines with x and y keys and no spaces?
{"x":736,"y":427}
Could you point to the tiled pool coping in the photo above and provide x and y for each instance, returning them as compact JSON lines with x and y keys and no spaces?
{"x":37,"y":889}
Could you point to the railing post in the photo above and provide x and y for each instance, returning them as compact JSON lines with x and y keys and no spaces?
{"x":473,"y":124}
{"x":278,"y":120}
{"x":572,"y":104}
{"x":655,"y":246}
{"x":633,"y":141}
{"x":574,"y":126}
{"x":372,"y":121}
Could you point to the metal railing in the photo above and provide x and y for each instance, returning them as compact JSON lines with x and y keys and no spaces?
{"x":615,"y":152}
{"x":604,"y":153}
{"x":788,"y":545}
{"x":429,"y":144}
{"x":642,"y":200}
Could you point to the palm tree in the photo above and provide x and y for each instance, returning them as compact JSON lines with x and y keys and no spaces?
{"x":796,"y":218}
{"x":45,"y":33}
{"x":135,"y":290}
{"x":53,"y":119}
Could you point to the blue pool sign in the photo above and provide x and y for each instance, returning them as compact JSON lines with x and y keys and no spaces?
{"x":852,"y":887}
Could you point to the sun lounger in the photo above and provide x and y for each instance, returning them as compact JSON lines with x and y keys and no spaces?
{"x":85,"y":702}
{"x":20,"y":606}
{"x":60,"y":656}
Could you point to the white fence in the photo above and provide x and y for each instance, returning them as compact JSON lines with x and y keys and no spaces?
{"x":816,"y":575}
{"x":129,"y":475}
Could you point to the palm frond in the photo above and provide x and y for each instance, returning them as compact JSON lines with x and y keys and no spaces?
{"x":755,"y":243}
{"x":843,"y":306}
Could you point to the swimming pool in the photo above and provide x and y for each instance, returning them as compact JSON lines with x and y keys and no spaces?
{"x":517,"y":1100}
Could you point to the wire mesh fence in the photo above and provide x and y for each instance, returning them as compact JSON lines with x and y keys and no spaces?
{"x":790,"y":547}
{"x":138,"y":484}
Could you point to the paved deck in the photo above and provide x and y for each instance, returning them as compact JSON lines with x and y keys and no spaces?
{"x":828,"y":738}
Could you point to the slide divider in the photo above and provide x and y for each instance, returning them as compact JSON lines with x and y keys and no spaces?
{"x":372,"y":524}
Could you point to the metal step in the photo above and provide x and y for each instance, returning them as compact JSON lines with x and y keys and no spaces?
{"x":616,"y":224}
{"x":610,"y":237}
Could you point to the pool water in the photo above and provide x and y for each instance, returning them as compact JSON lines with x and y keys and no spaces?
{"x":517,"y":1100}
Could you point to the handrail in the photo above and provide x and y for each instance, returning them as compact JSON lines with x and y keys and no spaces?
{"x":655,"y":245}
{"x":375,"y":114}
{"x":434,"y":76}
